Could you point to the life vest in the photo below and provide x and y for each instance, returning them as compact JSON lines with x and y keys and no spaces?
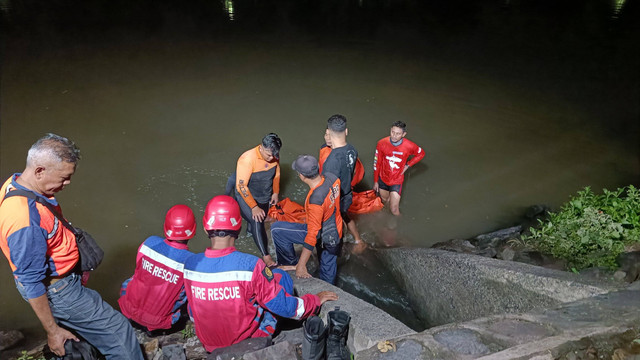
{"x":365,"y":202}
{"x":358,"y":173}
{"x":288,"y":210}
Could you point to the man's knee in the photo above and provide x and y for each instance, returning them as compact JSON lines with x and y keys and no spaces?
{"x":276,"y":235}
{"x":394,"y":203}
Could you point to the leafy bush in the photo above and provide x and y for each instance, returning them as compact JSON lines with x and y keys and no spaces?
{"x":591,"y":230}
{"x":189,"y":331}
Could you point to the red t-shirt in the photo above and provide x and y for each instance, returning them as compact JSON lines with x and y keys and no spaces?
{"x":389,"y":160}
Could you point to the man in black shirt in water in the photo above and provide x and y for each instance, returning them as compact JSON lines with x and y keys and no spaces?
{"x":342,"y":162}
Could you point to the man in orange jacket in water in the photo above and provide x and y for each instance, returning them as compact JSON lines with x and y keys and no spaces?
{"x":257,"y":184}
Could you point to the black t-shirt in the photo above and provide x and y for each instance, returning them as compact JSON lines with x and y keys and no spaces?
{"x":341,"y":162}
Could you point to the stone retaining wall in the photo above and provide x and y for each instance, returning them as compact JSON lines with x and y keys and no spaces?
{"x":447,"y":287}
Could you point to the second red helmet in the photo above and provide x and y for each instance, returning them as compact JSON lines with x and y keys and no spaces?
{"x":222,"y":213}
{"x":180,"y":223}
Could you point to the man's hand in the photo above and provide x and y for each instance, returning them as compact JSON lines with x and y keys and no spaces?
{"x":327,"y":296}
{"x":405,"y":169}
{"x":56,"y":339}
{"x":274,"y":199}
{"x":268,"y":260}
{"x":376,"y":187}
{"x":301,"y":271}
{"x":257,"y":213}
{"x":56,"y":336}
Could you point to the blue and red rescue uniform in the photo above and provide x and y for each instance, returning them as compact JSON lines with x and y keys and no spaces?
{"x":231,"y":293}
{"x":155,"y":294}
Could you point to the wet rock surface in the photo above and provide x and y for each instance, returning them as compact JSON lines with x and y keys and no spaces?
{"x":9,"y":338}
{"x":463,"y":341}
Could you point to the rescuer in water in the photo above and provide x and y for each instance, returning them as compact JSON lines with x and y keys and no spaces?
{"x":257,"y":184}
{"x":233,"y":296}
{"x":341,"y":162}
{"x":154,"y":296}
{"x":391,"y":161}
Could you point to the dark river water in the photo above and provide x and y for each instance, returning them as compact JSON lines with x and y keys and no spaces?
{"x":515,"y":103}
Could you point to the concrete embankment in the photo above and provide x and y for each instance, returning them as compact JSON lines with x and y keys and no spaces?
{"x":447,"y":287}
{"x":491,"y":309}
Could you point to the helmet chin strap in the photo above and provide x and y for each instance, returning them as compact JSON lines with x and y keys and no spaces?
{"x":224,"y":233}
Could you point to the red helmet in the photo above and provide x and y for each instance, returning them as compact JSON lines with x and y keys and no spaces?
{"x":180,"y":223}
{"x":222,"y":213}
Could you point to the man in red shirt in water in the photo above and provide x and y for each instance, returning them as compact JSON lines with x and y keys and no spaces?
{"x":390,"y":163}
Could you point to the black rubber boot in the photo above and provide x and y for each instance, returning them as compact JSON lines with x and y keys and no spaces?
{"x":338,"y":332}
{"x":315,"y":338}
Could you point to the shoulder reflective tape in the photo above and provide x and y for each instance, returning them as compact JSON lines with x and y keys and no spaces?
{"x":154,"y":255}
{"x":55,"y":228}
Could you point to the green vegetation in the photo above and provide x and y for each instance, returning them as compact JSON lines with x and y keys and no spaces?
{"x":591,"y":230}
{"x":189,"y":331}
{"x":25,"y":356}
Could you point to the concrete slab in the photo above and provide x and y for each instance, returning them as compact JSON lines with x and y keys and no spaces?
{"x":447,"y":287}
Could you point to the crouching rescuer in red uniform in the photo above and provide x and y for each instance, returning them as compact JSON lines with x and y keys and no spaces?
{"x":233,"y":296}
{"x":154,"y":296}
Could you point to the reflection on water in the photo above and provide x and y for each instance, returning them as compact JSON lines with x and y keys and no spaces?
{"x":616,"y":8}
{"x":513,"y":108}
{"x":228,"y":6}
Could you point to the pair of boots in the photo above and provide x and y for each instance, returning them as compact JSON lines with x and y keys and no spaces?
{"x":333,"y":337}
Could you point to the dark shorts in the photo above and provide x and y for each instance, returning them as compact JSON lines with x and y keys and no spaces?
{"x":390,"y":188}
